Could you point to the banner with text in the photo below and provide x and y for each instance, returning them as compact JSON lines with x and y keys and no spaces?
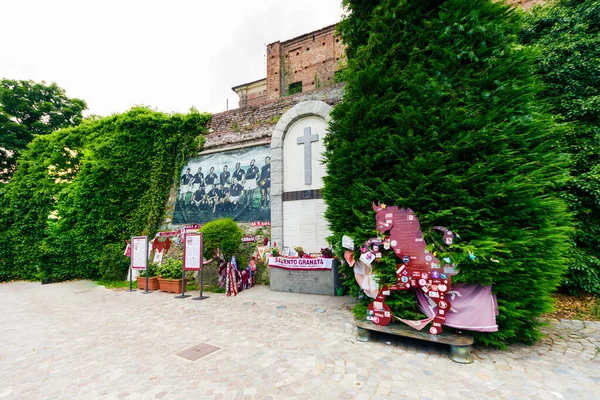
{"x":301,"y":263}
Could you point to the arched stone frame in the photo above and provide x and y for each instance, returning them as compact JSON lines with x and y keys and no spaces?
{"x":310,"y":108}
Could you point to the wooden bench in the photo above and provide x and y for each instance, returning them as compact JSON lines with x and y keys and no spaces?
{"x":460,"y":345}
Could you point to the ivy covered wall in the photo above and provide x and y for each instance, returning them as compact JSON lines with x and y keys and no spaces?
{"x":80,"y":189}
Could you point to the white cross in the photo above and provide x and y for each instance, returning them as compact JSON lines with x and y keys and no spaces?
{"x":306,"y":140}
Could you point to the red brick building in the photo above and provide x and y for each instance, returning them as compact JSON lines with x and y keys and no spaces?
{"x":301,"y":64}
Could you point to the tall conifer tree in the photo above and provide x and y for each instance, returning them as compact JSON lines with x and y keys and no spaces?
{"x":440,"y":115}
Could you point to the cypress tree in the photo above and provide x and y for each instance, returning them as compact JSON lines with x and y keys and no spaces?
{"x":440,"y":115}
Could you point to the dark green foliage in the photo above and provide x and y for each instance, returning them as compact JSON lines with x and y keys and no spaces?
{"x":567,"y":37}
{"x":26,"y":109}
{"x":151,"y":270}
{"x":114,"y":266}
{"x":439,"y":115}
{"x":79,"y":189}
{"x":171,"y":269}
{"x":223,"y":234}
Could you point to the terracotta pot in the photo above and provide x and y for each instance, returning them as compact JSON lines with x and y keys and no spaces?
{"x":172,"y":286}
{"x":152,"y":283}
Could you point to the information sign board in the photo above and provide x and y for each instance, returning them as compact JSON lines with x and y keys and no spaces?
{"x":139,"y":252}
{"x":192,"y":252}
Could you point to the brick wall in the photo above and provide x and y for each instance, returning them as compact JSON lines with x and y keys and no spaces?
{"x":274,"y":65}
{"x":311,"y":59}
{"x":253,"y":125}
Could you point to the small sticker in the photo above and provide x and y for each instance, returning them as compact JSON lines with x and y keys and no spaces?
{"x":386,"y":314}
{"x":434,"y":295}
{"x":443,"y":305}
{"x":404,"y":279}
{"x":428,"y":257}
{"x":389,"y":216}
{"x":407,"y":285}
{"x":347,"y":242}
{"x":394,"y":243}
{"x":422,"y":282}
{"x":424,"y":275}
{"x":433,"y":330}
{"x":367,"y":258}
{"x":435,"y":274}
{"x":441,"y":312}
{"x":444,"y":276}
{"x":406,"y":259}
{"x":442,"y":288}
{"x":400,"y":269}
{"x":425,"y":288}
{"x":411,"y":217}
{"x":435,"y":265}
{"x":386,"y":292}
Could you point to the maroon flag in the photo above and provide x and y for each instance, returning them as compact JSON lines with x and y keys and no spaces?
{"x":127,"y":252}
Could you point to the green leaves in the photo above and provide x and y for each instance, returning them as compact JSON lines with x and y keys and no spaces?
{"x":440,"y":115}
{"x":80,"y":189}
{"x":566,"y":36}
{"x":221,"y":235}
{"x":27,"y":109}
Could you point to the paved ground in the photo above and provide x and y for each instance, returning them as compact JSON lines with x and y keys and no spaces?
{"x":77,"y":340}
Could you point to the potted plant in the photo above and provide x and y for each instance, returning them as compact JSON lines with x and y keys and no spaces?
{"x":299,"y":250}
{"x":151,"y":271}
{"x":169,"y":276}
{"x":327,"y":252}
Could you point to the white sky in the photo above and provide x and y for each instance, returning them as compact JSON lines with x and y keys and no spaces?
{"x":169,"y":55}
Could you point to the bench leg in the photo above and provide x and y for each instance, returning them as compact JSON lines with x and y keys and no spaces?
{"x":461,"y":354}
{"x":363,"y":335}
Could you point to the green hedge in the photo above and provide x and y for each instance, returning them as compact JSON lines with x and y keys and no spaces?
{"x":567,"y":37}
{"x":440,"y":115}
{"x":78,"y":189}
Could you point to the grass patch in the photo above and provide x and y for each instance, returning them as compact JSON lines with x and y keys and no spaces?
{"x":116,"y":284}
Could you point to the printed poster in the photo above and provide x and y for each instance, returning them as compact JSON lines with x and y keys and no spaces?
{"x":139,"y":252}
{"x":231,"y":184}
{"x":192,"y":259}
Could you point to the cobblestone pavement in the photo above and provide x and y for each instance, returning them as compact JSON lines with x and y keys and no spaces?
{"x":77,"y":340}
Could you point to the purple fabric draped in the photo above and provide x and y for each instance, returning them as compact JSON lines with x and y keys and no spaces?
{"x":474,"y":307}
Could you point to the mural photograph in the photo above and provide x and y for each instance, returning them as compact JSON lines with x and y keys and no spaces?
{"x":234,"y":184}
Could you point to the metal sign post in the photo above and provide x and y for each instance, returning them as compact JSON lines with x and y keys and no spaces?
{"x":192,"y":253}
{"x":198,"y":264}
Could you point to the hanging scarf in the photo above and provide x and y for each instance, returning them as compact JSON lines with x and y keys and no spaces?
{"x":231,"y":284}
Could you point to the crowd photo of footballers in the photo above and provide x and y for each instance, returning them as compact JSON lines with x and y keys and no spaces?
{"x":226,"y":191}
